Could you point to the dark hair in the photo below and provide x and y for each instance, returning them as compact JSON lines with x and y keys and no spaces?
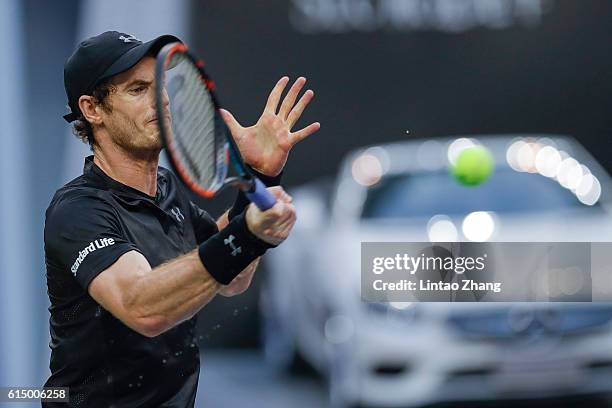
{"x":81,"y":127}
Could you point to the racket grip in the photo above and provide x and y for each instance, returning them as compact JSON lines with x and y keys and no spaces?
{"x":260,"y":196}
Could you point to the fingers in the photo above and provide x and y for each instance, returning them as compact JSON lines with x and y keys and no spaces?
{"x":278,"y":215}
{"x":298,"y":109}
{"x":304,"y":133}
{"x":231,"y":122}
{"x":286,"y":212}
{"x":286,"y":225}
{"x":275,"y":224}
{"x":282,"y":226}
{"x":275,"y":95}
{"x":291,"y":97}
{"x":280,"y":194}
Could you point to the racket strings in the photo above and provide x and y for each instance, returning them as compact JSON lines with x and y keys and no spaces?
{"x":199,"y":137}
{"x":198,"y":141}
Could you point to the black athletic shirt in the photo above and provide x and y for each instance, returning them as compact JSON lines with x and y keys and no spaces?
{"x":90,"y":223}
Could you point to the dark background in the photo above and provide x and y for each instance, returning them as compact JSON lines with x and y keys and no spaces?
{"x":551,"y":76}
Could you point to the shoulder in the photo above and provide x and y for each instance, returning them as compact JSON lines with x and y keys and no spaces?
{"x":77,"y":202}
{"x":77,"y":197}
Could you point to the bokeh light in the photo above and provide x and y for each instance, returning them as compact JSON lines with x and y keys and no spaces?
{"x":547,"y":161}
{"x":456,"y":147}
{"x":367,"y":170}
{"x":478,"y":226}
{"x":440,"y":228}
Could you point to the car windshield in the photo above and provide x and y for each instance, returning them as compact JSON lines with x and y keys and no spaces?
{"x":429,"y":193}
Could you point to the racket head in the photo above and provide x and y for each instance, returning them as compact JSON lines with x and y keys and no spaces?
{"x":191,"y":128}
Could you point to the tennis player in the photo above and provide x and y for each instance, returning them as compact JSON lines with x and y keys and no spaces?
{"x":130,"y":259}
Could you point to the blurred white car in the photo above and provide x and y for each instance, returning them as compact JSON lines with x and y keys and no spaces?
{"x":544,"y":188}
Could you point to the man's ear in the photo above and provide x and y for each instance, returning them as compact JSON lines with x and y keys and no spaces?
{"x":90,"y":109}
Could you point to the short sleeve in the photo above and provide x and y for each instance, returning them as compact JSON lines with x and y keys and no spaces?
{"x":204,"y":225}
{"x":83,"y":235}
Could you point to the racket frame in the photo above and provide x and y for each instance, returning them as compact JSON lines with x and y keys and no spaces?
{"x":245,"y":180}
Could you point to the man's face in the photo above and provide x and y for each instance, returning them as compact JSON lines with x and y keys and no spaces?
{"x":132,"y":121}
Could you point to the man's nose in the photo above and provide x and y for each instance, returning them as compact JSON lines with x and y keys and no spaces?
{"x":165,"y":98}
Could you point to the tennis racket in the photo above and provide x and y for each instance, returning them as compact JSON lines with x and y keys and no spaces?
{"x":195,"y":136}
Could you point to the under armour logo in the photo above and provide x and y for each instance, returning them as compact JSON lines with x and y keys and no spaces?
{"x":230,"y":241}
{"x":177,"y":214}
{"x":128,"y":39}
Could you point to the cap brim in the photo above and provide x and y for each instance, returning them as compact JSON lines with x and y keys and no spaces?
{"x":133,"y":56}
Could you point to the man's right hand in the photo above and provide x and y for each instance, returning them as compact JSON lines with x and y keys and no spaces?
{"x":272,"y":226}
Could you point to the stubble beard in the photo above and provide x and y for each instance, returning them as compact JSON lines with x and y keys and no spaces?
{"x":139,"y":143}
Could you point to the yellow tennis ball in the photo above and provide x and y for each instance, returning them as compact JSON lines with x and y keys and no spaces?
{"x":473,"y":166}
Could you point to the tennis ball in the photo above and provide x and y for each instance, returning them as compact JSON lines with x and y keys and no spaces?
{"x":473,"y":166}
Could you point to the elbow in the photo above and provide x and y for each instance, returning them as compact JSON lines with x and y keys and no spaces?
{"x":154,"y":326}
{"x":140,"y":318}
{"x":151,"y":326}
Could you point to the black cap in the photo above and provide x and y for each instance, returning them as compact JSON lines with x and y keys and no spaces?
{"x":101,"y":57}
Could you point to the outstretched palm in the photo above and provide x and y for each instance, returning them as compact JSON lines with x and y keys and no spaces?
{"x":266,"y":145}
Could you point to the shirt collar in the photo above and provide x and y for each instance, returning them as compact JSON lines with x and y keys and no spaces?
{"x":103,"y":180}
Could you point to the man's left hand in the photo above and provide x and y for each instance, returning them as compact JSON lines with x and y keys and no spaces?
{"x":265,"y":146}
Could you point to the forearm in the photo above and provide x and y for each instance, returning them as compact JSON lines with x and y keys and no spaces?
{"x":175,"y":291}
{"x":172,"y":292}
